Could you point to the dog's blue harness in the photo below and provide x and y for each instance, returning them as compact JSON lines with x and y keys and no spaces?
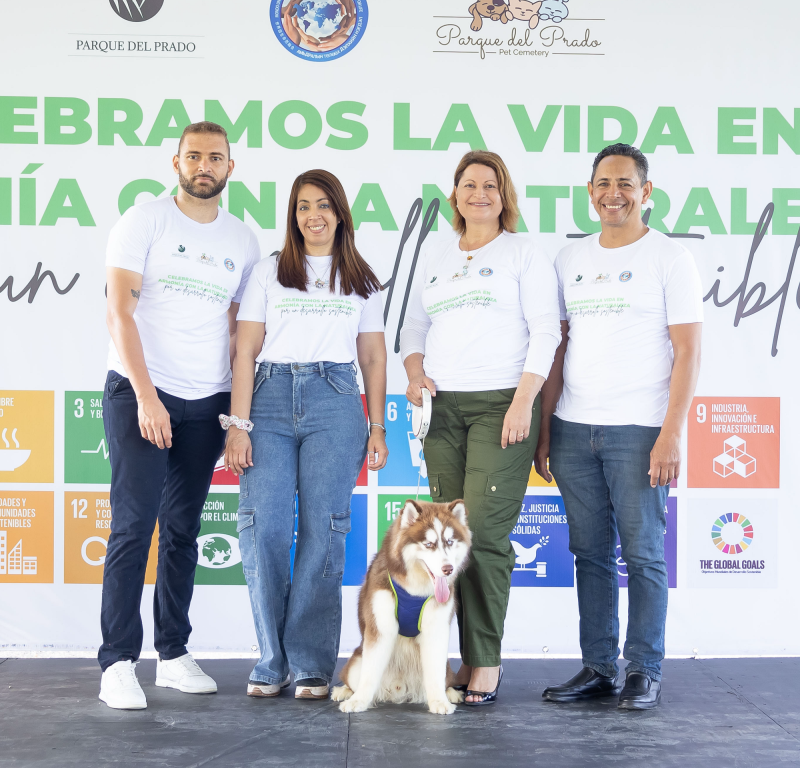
{"x":408,"y":609}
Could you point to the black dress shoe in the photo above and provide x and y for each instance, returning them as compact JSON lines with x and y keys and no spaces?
{"x":587,"y":684}
{"x":640,"y":692}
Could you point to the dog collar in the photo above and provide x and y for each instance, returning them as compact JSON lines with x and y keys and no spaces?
{"x":407,"y":609}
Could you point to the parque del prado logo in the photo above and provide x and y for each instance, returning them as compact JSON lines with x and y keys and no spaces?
{"x":136,"y":10}
{"x":519,"y":28}
{"x":319,"y":30}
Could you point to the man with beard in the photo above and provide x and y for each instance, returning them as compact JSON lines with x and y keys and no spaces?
{"x":176,"y":270}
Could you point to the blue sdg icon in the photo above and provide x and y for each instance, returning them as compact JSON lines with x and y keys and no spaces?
{"x":355,"y":553}
{"x":541,"y":545}
{"x":406,"y":462}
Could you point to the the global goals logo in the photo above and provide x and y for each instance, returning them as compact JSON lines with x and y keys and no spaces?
{"x":136,"y":10}
{"x":319,"y":30}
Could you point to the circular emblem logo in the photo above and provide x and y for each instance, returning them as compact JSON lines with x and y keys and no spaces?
{"x":625,"y":276}
{"x":486,"y":272}
{"x":136,"y":10}
{"x":732,"y":533}
{"x":229,"y":265}
{"x":318,"y":30}
{"x":218,"y":550}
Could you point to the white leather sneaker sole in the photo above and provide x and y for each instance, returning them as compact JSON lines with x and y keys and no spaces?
{"x":183,"y":675}
{"x":120,"y":689}
{"x":267,"y":690}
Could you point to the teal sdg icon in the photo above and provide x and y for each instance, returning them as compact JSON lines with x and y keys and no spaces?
{"x":181,"y":248}
{"x":578,"y":278}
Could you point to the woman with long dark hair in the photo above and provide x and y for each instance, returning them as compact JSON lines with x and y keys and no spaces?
{"x":298,"y":427}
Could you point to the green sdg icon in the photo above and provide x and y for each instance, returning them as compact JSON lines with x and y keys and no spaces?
{"x":218,"y":558}
{"x":389,"y":506}
{"x":85,"y":447}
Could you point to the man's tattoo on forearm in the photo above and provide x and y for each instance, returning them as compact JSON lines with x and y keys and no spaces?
{"x":135,"y":294}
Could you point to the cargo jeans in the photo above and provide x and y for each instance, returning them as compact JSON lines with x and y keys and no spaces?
{"x":465,"y":460}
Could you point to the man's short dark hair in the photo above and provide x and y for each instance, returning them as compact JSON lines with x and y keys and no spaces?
{"x":624,"y":150}
{"x":205,"y":126}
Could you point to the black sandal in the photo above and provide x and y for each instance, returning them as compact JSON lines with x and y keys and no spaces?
{"x":485,"y":698}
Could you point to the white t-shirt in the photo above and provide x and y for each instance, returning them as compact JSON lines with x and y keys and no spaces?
{"x":312,"y":326}
{"x":619,"y":303}
{"x":191,"y":273}
{"x":481,"y":326}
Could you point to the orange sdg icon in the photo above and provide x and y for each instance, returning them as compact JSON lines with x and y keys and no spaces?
{"x":26,"y":537}
{"x":734,"y":442}
{"x":87,"y":525}
{"x":26,"y":437}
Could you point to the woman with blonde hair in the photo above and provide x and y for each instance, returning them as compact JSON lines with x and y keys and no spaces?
{"x":480,"y":334}
{"x":304,"y":318}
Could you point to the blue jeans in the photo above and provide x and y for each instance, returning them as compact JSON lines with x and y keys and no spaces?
{"x":310,"y":438}
{"x":149,"y":483}
{"x":601,"y":472}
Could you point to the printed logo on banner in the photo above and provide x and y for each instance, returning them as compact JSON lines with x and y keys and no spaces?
{"x":734,"y":442}
{"x":733,"y":543}
{"x":406,"y":461}
{"x":670,"y":548}
{"x":26,"y":537}
{"x":514,"y":28}
{"x":319,"y":30}
{"x":26,"y":437}
{"x":87,"y":525}
{"x":541,"y":544}
{"x":389,"y":506}
{"x":136,"y":10}
{"x":218,"y":558}
{"x":85,"y":448}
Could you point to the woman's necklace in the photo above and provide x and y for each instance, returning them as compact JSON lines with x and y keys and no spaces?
{"x":319,"y":282}
{"x":465,"y":269}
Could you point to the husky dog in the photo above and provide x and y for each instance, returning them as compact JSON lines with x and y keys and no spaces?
{"x":404,"y":612}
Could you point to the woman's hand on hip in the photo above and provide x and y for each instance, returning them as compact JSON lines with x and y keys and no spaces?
{"x":517,"y":423}
{"x":415,"y":387}
{"x":377,"y":452}
{"x":238,"y":451}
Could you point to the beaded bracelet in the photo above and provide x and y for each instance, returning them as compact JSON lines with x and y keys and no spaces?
{"x":235,"y":421}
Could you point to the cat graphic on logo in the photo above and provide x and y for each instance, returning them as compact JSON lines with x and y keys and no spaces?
{"x":602,"y":278}
{"x":207,"y":260}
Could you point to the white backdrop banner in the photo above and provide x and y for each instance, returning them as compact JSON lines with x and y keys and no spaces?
{"x":94,"y":97}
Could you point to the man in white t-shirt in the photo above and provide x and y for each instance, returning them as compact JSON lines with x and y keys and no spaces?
{"x":621,"y":386}
{"x":176,"y":271}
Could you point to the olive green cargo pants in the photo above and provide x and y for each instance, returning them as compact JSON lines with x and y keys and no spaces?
{"x":465,"y":461}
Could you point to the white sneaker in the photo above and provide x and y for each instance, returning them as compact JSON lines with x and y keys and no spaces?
{"x":184,"y":674}
{"x":267,"y":690}
{"x":119,"y":687}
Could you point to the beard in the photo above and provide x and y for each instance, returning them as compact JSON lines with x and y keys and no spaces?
{"x":195,"y":190}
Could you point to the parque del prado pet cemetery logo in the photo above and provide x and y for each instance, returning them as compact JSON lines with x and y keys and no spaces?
{"x":519,"y":28}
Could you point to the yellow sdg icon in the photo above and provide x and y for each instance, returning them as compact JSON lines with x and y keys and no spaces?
{"x":26,"y":437}
{"x":87,"y":525}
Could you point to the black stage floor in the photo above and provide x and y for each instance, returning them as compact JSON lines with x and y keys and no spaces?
{"x":714,"y":713}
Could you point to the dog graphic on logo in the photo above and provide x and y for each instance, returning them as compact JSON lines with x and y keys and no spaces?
{"x":495,"y":10}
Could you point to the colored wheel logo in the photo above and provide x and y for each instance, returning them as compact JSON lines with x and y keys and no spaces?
{"x":319,"y":30}
{"x":229,"y":265}
{"x":732,"y":533}
{"x":486,"y":272}
{"x":625,"y":276}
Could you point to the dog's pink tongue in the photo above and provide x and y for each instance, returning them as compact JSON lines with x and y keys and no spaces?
{"x":441,"y":590}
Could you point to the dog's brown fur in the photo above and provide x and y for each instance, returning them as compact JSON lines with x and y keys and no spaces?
{"x":487,"y":9}
{"x":389,"y":559}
